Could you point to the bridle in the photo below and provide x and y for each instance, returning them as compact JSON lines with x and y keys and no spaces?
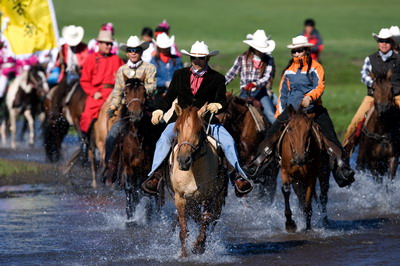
{"x":198,"y":150}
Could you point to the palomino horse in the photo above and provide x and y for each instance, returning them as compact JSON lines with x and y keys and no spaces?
{"x":135,"y":145}
{"x":303,"y":160}
{"x":199,"y":187}
{"x":379,"y":146}
{"x":248,"y":134}
{"x":24,"y":97}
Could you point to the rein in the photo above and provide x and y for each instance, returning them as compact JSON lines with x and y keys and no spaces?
{"x":375,"y":136}
{"x":196,"y":149}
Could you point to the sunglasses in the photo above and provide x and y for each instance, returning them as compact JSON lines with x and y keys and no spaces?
{"x":107,"y":43}
{"x":133,"y":50}
{"x":384,"y":40}
{"x":200,"y":58}
{"x":299,"y":50}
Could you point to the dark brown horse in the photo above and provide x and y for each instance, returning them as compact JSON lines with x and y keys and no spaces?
{"x":135,"y":146}
{"x":248,"y":134}
{"x":379,"y":145}
{"x":303,"y":161}
{"x":198,"y":185}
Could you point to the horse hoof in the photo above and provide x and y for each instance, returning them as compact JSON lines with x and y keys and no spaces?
{"x":326,"y":223}
{"x":291,"y":227}
{"x":198,"y":249}
{"x":94,"y":184}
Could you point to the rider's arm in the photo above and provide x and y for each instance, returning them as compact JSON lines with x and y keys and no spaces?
{"x":151,"y":81}
{"x":118,"y":89}
{"x":171,"y":94}
{"x":318,"y":82}
{"x":283,"y":95}
{"x":262,"y":82}
{"x":365,"y":73}
{"x":87,"y":76}
{"x":235,"y":69}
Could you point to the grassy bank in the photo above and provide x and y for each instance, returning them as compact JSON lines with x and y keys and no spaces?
{"x":346,"y":27}
{"x":9,"y":168}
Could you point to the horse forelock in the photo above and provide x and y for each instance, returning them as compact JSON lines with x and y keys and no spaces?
{"x":189,"y":113}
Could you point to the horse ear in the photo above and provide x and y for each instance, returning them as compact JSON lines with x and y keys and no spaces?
{"x":291,"y":110}
{"x":125,"y":77}
{"x":372,"y":75}
{"x":178,"y":109}
{"x":389,"y":74}
{"x":202,"y":110}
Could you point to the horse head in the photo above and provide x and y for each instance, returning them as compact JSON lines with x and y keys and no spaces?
{"x":190,"y":132}
{"x":37,"y":77}
{"x":298,"y":132}
{"x":135,"y":98}
{"x":383,"y":93}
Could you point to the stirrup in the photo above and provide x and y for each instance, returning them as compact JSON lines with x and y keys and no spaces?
{"x":147,"y":190}
{"x":239,"y":192}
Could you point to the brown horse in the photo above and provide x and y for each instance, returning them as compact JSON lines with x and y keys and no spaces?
{"x":198,"y":185}
{"x":248,"y":134}
{"x":378,"y":146}
{"x":303,"y":161}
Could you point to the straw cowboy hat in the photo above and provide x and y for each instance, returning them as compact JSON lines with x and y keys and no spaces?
{"x":163,"y":41}
{"x":383,"y":34}
{"x":299,"y":42}
{"x":260,"y":42}
{"x":105,"y":36}
{"x":134,"y":42}
{"x":199,"y":49}
{"x":395,"y":31}
{"x":72,"y":34}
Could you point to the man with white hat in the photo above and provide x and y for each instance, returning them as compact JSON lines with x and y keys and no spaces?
{"x":257,"y":69}
{"x":134,"y":68}
{"x":196,"y":86}
{"x":377,"y":64}
{"x":97,"y":80}
{"x":73,"y":53}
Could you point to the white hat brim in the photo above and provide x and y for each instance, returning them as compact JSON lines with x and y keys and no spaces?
{"x":144,"y":46}
{"x":377,"y":37}
{"x":294,"y":46}
{"x":73,"y":41}
{"x":212,"y":53}
{"x":269,"y":49}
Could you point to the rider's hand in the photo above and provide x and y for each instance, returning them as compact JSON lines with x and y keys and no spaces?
{"x":111,"y":111}
{"x":306,"y":101}
{"x":97,"y":95}
{"x":249,"y":86}
{"x":156,"y":116}
{"x":214,"y":107}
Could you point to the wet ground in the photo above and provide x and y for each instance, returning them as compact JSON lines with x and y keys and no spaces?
{"x":50,"y":218}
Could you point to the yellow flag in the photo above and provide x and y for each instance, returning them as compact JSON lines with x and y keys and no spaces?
{"x":32,"y":26}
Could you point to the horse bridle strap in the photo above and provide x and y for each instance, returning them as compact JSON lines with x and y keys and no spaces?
{"x":134,"y":100}
{"x":196,"y":153}
{"x":374,"y":135}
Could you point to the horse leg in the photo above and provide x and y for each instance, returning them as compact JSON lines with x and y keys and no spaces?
{"x":13,"y":127}
{"x":3,"y":132}
{"x":323,"y":197}
{"x":31,"y":125}
{"x":200,"y":244}
{"x":308,"y":204}
{"x":393,"y":163}
{"x":290,"y":224}
{"x":300,"y":189}
{"x":180,"y":204}
{"x":91,"y":155}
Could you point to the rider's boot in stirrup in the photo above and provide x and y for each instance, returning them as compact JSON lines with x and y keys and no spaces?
{"x":151,"y":184}
{"x":242,"y":185}
{"x":342,"y":172}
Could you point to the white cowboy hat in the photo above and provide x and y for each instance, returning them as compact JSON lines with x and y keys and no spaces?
{"x":72,"y":34}
{"x":260,"y":42}
{"x":383,"y":34}
{"x":299,"y":41}
{"x":105,"y":36}
{"x":163,"y":41}
{"x":133,"y":42}
{"x":199,"y":49}
{"x":395,"y":31}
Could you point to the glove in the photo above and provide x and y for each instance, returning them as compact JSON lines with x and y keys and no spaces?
{"x":306,"y":101}
{"x":110,"y":112}
{"x":249,"y":86}
{"x":156,"y":116}
{"x":214,"y":107}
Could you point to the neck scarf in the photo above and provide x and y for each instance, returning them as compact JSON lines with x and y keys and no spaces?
{"x":196,"y":78}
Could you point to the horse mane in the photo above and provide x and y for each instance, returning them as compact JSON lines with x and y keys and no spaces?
{"x":191,"y":111}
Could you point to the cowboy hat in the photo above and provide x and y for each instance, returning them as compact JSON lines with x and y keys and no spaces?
{"x":299,"y":41}
{"x":199,"y":49}
{"x":105,"y":36}
{"x":383,"y":34}
{"x":395,"y":31}
{"x":133,"y":42}
{"x":260,"y":42}
{"x":72,"y":34}
{"x":163,"y":41}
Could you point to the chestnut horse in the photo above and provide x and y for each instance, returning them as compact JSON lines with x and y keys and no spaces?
{"x":199,"y":187}
{"x":303,"y":161}
{"x":135,"y":146}
{"x":378,"y":145}
{"x":240,"y":123}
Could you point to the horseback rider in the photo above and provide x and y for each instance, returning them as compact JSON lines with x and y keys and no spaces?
{"x":257,"y":70}
{"x":195,"y":86}
{"x":378,"y":64}
{"x":302,"y":84}
{"x":97,"y":80}
{"x":135,"y":67}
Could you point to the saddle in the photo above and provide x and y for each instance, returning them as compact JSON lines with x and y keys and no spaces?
{"x":254,"y":107}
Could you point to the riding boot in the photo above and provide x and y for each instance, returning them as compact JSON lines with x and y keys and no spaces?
{"x":339,"y":164}
{"x":152,"y":184}
{"x":350,"y":143}
{"x":242,"y":185}
{"x":84,"y":149}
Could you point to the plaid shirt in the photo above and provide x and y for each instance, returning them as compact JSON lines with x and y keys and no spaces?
{"x":365,"y":72}
{"x":248,"y":73}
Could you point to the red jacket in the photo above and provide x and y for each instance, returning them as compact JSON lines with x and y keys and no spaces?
{"x":82,"y":53}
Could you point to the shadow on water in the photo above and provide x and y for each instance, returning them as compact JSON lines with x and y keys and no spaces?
{"x":353,"y":225}
{"x":244,"y":249}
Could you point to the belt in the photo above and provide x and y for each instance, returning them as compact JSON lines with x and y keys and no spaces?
{"x":108,"y":86}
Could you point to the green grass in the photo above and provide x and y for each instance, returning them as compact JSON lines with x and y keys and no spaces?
{"x":8,"y":168}
{"x":346,"y":27}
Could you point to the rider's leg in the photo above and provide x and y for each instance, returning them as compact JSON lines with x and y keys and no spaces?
{"x":268,"y":108}
{"x":341,"y":170}
{"x":242,"y":183}
{"x":111,"y":138}
{"x":163,"y":148}
{"x":350,"y":140}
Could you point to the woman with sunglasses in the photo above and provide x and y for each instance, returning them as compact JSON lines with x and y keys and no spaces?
{"x":302,"y":84}
{"x":257,"y":70}
{"x":196,"y":86}
{"x":377,"y":64}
